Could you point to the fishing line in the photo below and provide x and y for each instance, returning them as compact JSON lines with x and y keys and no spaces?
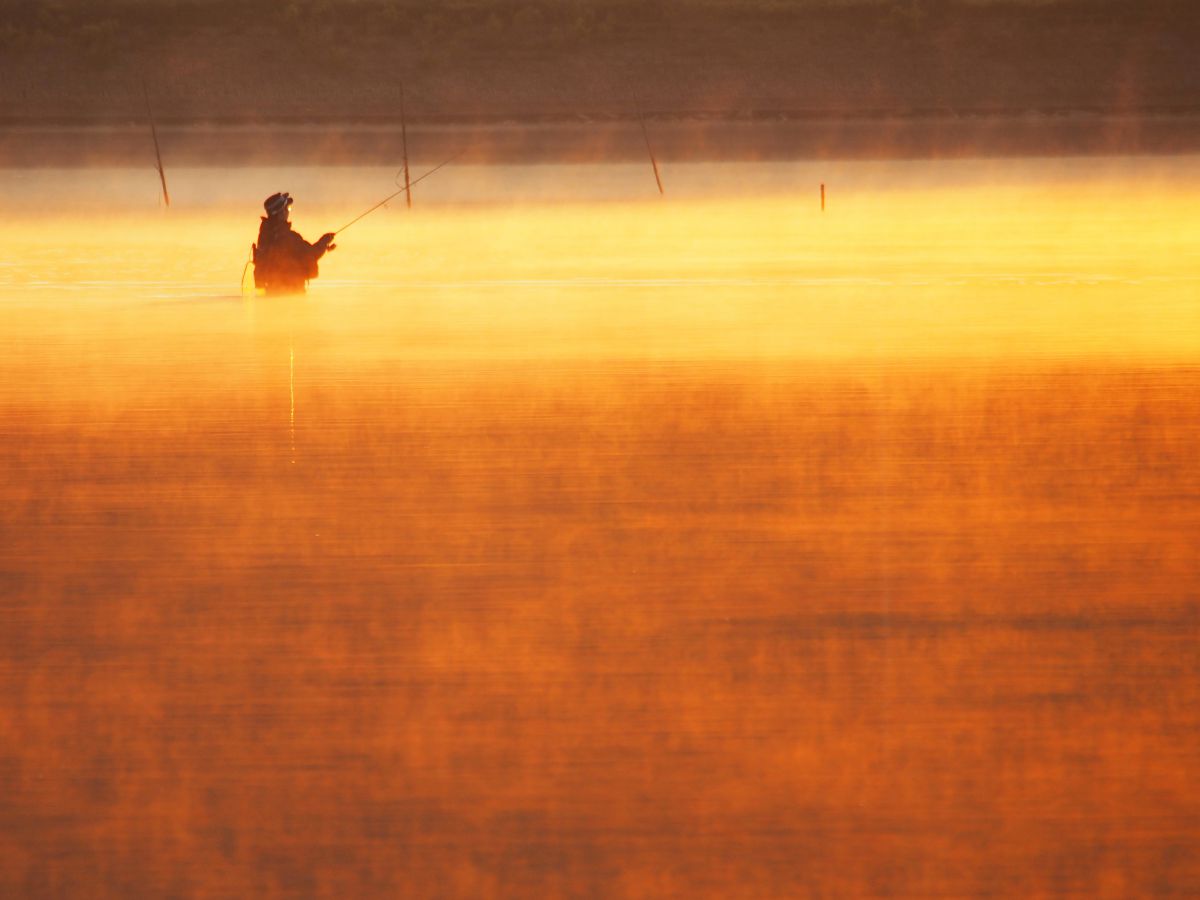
{"x":245,"y":269}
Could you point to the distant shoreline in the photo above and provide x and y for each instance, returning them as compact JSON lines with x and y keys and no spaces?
{"x":782,"y":114}
{"x":679,"y":137}
{"x":484,"y":63}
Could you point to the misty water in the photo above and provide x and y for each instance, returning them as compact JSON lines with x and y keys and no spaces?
{"x":566,"y":540}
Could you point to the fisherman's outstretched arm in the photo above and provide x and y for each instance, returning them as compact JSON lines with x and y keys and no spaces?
{"x":322,"y":244}
{"x":314,"y":250}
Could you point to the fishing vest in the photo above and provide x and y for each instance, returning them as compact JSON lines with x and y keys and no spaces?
{"x":283,"y":261}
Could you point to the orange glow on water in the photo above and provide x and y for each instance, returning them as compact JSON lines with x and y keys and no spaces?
{"x":563,"y":541}
{"x":1040,"y":267}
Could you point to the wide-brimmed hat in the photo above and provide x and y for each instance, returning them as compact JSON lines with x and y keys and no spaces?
{"x":277,"y":203}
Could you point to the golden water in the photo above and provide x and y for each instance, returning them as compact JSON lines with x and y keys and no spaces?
{"x":566,"y":541}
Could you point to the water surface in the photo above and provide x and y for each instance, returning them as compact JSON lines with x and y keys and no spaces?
{"x":566,"y":541}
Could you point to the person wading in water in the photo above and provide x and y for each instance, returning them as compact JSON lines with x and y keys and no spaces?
{"x":284,"y":261}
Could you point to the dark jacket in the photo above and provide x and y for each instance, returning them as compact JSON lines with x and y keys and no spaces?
{"x":283,"y":261}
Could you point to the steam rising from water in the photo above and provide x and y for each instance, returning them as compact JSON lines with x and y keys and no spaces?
{"x":563,"y":541}
{"x":1040,"y":259}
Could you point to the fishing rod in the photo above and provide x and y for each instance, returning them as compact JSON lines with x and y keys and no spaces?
{"x":404,"y":148}
{"x":162,"y":175}
{"x":402,"y":190}
{"x":649,"y":149}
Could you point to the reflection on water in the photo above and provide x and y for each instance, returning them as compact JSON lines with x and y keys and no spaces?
{"x":707,"y":547}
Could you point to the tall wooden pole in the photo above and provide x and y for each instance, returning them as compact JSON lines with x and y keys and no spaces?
{"x":404,"y":148}
{"x":649,"y":149}
{"x":162,"y":175}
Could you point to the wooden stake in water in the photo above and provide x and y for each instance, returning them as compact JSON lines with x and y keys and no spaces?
{"x":404,"y":148}
{"x":162,"y":175}
{"x":822,"y":197}
{"x":649,"y":149}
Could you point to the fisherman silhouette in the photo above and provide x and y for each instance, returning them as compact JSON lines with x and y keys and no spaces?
{"x":284,"y":261}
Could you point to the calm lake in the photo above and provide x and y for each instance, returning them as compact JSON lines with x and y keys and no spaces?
{"x":569,"y":541}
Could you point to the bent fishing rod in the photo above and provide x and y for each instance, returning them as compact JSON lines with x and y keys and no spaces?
{"x":399,"y":192}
